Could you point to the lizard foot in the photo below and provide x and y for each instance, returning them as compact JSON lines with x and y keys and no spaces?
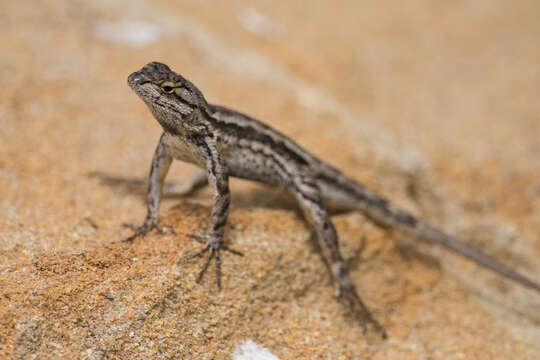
{"x":148,"y":226}
{"x":354,"y":304}
{"x":213,"y":245}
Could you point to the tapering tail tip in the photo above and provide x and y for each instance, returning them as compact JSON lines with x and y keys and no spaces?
{"x":475,"y":255}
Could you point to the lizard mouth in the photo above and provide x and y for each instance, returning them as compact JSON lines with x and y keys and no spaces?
{"x":141,"y":85}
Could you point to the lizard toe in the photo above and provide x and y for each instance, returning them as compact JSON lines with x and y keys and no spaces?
{"x":213,"y":245}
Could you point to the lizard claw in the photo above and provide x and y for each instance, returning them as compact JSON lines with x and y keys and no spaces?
{"x":356,"y":305}
{"x":141,"y":231}
{"x":213,"y":245}
{"x":148,"y":226}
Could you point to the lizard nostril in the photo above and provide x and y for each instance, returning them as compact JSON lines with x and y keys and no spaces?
{"x":134,"y":78}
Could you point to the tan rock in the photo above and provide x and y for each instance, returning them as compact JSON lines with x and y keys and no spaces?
{"x":434,"y":105}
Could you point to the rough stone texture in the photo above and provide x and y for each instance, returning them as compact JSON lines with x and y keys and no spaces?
{"x":434,"y":104}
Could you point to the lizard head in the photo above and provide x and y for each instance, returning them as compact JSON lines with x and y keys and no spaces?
{"x":165,"y":92}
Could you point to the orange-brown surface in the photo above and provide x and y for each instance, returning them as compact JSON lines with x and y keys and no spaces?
{"x":434,"y":104}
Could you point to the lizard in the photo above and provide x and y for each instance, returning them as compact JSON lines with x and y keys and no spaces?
{"x":226,"y":143}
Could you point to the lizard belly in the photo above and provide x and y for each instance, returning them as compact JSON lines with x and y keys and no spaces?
{"x":183,"y":150}
{"x":246,"y":164}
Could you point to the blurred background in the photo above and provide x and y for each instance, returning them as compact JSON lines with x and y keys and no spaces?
{"x":434,"y":104}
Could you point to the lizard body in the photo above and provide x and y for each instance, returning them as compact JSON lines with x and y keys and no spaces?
{"x":227,"y":143}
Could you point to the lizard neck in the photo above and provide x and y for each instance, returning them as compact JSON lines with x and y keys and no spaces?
{"x":198,"y":122}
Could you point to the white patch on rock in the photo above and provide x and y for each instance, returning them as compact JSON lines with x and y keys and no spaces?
{"x":128,"y":32}
{"x":249,"y":350}
{"x":258,"y":24}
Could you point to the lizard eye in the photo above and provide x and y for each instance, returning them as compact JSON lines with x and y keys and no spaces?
{"x":168,"y":86}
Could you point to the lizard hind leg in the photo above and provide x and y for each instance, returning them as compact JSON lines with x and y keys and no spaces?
{"x":197,"y":181}
{"x":346,"y":291}
{"x":308,"y":195}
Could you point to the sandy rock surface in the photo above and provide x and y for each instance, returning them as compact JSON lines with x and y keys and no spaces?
{"x":433,"y":104}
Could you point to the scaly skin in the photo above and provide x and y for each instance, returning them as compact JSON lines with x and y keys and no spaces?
{"x":226,"y":143}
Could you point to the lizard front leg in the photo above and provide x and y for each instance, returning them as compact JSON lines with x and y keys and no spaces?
{"x":218,"y":179}
{"x":307,"y":193}
{"x":160,"y":166}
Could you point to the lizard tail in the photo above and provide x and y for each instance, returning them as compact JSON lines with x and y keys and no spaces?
{"x":436,"y":236}
{"x":386,"y":213}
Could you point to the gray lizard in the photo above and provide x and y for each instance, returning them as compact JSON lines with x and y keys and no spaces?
{"x":226,"y":143}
